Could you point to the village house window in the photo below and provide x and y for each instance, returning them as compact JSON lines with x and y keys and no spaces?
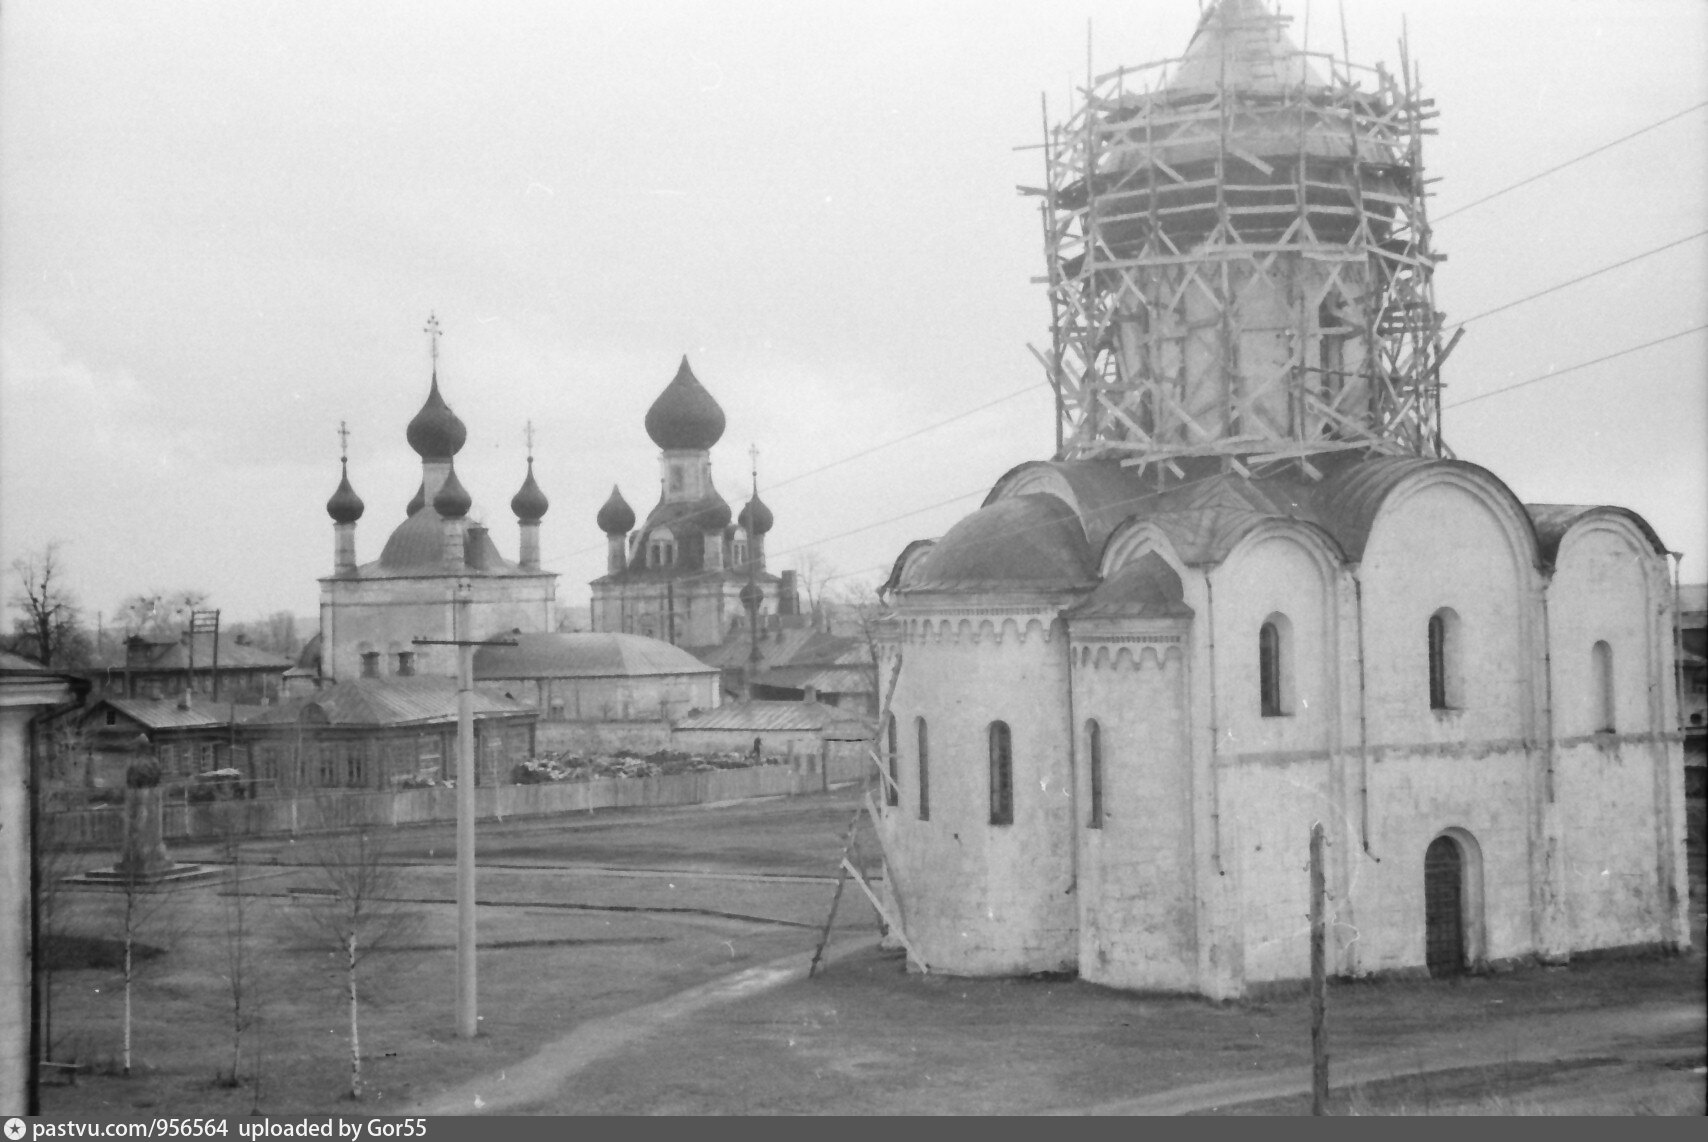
{"x":328,"y":767}
{"x":1094,"y":757}
{"x":1601,"y":678}
{"x":112,"y":716}
{"x":892,"y":789}
{"x":1275,"y":666}
{"x":1444,"y":690}
{"x":1001,"y":774}
{"x":924,"y":768}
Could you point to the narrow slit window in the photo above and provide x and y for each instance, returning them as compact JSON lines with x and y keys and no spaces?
{"x":924,"y":769}
{"x":1001,"y":774}
{"x":1601,"y":677}
{"x":1094,"y":756}
{"x":1445,"y":690}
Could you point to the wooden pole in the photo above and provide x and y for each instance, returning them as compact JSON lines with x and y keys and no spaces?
{"x":1319,"y":981}
{"x":467,"y":1018}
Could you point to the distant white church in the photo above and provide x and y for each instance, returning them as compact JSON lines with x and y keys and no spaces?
{"x":1255,"y":591}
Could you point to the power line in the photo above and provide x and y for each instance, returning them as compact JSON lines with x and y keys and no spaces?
{"x":1571,"y":161}
{"x":897,"y":440}
{"x":1584,"y":277}
{"x":1580,"y":365}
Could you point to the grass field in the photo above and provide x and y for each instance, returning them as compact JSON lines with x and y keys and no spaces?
{"x":586,"y":918}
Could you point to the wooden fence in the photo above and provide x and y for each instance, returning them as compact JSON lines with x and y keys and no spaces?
{"x":329,"y":810}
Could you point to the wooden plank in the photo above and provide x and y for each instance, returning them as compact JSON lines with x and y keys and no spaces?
{"x":889,"y":921}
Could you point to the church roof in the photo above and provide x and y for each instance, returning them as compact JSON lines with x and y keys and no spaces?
{"x":584,"y":655}
{"x":1018,"y":540}
{"x":1244,"y":45}
{"x":685,"y":416}
{"x":1031,"y":542}
{"x":417,"y":547}
{"x":1552,"y":521}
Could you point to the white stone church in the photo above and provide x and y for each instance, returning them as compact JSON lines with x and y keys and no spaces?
{"x":1255,"y":591}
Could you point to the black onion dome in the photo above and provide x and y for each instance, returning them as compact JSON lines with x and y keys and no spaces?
{"x":452,"y":500}
{"x":530,"y":503}
{"x":419,"y":502}
{"x":345,"y":506}
{"x":710,"y":514}
{"x":756,"y":517}
{"x":436,"y":433}
{"x":685,"y":416}
{"x":616,"y":517}
{"x":751,"y":596}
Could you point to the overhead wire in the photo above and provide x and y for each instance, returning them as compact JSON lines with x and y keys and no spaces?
{"x":1548,"y":376}
{"x":1466,"y":321}
{"x":1570,"y":162}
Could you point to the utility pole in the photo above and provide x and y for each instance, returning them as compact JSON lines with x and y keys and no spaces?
{"x":468,"y":1018}
{"x":1319,"y":976}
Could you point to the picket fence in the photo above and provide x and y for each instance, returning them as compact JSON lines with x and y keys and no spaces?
{"x":330,"y":810}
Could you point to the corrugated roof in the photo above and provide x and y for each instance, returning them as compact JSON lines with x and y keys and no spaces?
{"x":388,"y":702}
{"x":167,"y":714}
{"x":584,"y":655}
{"x":766,"y":717}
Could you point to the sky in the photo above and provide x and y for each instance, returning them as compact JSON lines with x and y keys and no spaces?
{"x":223,"y":226}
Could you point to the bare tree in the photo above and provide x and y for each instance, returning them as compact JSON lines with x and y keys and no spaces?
{"x":856,"y":603}
{"x":160,"y":613}
{"x":49,"y":628}
{"x":242,"y":980}
{"x":812,"y":573}
{"x":359,"y":916}
{"x":147,"y":926}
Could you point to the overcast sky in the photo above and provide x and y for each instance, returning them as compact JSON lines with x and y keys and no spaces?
{"x":223,"y":226}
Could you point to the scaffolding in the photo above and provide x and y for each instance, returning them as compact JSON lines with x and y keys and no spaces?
{"x":1238,"y":256}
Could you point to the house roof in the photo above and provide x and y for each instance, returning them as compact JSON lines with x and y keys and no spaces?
{"x":776,"y":717}
{"x":169,"y":714}
{"x":171,"y":654}
{"x":387,"y":702}
{"x":584,"y":655}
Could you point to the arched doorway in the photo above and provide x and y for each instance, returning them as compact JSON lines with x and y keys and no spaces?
{"x":1444,"y":907}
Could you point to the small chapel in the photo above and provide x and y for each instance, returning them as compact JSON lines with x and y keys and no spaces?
{"x":1254,"y":590}
{"x":681,"y":576}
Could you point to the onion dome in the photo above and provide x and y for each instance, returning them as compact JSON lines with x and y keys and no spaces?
{"x":751,"y":596}
{"x":756,"y":517}
{"x":530,"y":503}
{"x":685,"y":416}
{"x":710,"y":514}
{"x":616,"y":517}
{"x":419,"y":502}
{"x":345,"y":506}
{"x":452,"y":500}
{"x":436,"y":433}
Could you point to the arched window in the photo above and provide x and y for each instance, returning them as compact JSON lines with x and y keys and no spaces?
{"x":1601,"y":679}
{"x":661,"y":549}
{"x":1001,"y":774}
{"x":1275,"y":666}
{"x":892,"y":788}
{"x":924,"y":769}
{"x":1444,"y":687}
{"x":1094,"y":756}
